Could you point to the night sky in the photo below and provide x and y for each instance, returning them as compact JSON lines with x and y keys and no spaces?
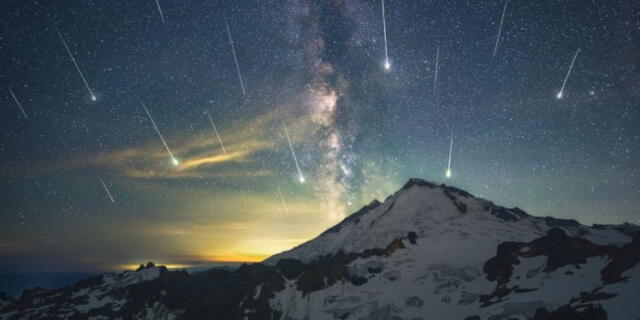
{"x":358,"y":131}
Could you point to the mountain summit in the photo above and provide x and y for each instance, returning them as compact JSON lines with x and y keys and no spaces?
{"x":446,"y":220}
{"x":428,"y":251}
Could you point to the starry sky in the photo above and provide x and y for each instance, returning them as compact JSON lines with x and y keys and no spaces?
{"x":358,"y":130}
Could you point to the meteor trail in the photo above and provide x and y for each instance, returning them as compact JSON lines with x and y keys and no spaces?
{"x":284,"y":204}
{"x":160,"y":10}
{"x":173,"y":159}
{"x":435,"y":79}
{"x":233,"y":51}
{"x":387,"y":64}
{"x":217,"y":135}
{"x":561,"y":92}
{"x":18,"y":103}
{"x":93,"y":96}
{"x":504,"y":10}
{"x":448,"y":173}
{"x":107,"y":190}
{"x":286,"y":133}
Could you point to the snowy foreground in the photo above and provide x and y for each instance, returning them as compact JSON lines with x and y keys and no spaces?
{"x":427,"y":252}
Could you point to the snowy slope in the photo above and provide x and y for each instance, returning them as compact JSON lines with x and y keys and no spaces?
{"x":85,"y":296}
{"x":442,"y":273}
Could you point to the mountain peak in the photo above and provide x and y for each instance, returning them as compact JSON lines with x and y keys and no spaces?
{"x":433,"y":185}
{"x":419,"y":182}
{"x":420,"y":206}
{"x":440,"y":215}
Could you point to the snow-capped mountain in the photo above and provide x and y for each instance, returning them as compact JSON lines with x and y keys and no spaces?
{"x":447,"y":219}
{"x":427,"y":252}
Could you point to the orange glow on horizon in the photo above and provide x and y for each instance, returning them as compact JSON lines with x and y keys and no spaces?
{"x":219,"y":260}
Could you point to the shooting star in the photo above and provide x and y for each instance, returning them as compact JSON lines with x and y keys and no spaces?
{"x":504,"y":10}
{"x":160,"y":10}
{"x":235,"y":58}
{"x":107,"y":190}
{"x":448,"y":173}
{"x":284,"y":204}
{"x":286,"y":133}
{"x":435,"y":78}
{"x":217,"y":135}
{"x":18,"y":103}
{"x":93,"y":96}
{"x":387,"y":64}
{"x":561,"y":92}
{"x":173,"y":159}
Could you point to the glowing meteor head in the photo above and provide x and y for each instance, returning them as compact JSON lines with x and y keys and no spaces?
{"x":448,"y":173}
{"x":93,"y":98}
{"x":301,"y":179}
{"x":175,"y":162}
{"x":559,"y":95}
{"x":387,"y":65}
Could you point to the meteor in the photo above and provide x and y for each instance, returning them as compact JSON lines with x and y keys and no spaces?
{"x":284,"y":204}
{"x":448,"y":173}
{"x":561,"y":92}
{"x":504,"y":10}
{"x":217,"y":135}
{"x":235,"y":58}
{"x":18,"y":103}
{"x":173,"y":159}
{"x":295,"y":159}
{"x":387,"y":64}
{"x":160,"y":10}
{"x":93,"y":96}
{"x":435,"y":79}
{"x":107,"y":190}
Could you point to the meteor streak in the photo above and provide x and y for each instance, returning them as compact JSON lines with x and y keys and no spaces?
{"x":18,"y":103}
{"x":235,"y":58}
{"x":217,"y":135}
{"x":107,"y":190}
{"x":173,"y":159}
{"x":286,"y":133}
{"x":504,"y":10}
{"x":561,"y":92}
{"x":160,"y":10}
{"x":387,"y":64}
{"x":284,"y":204}
{"x":448,"y":173}
{"x":93,"y":96}
{"x":435,"y":79}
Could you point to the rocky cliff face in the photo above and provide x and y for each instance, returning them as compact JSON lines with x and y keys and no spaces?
{"x":427,"y":252}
